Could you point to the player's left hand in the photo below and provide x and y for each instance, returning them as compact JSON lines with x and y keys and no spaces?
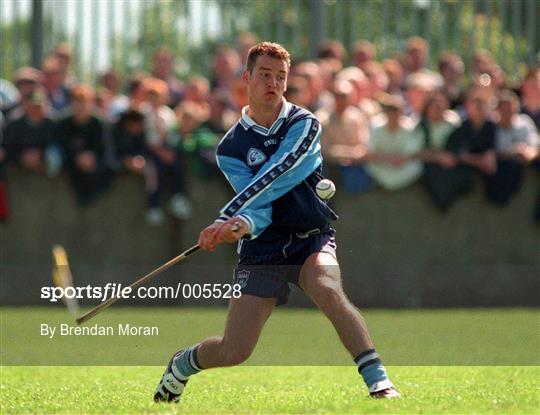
{"x":227,"y":232}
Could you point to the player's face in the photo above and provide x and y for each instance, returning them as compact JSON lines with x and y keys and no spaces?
{"x":267,"y":81}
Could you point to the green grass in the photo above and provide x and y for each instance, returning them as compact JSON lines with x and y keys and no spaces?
{"x":270,"y":390}
{"x":482,"y":337}
{"x":299,"y":366}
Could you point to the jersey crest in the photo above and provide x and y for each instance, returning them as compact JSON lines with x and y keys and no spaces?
{"x":255,"y":157}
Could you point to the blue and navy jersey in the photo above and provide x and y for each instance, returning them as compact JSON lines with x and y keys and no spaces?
{"x":274,"y":172}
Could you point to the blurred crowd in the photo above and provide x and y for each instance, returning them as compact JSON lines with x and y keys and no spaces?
{"x":386,"y":123}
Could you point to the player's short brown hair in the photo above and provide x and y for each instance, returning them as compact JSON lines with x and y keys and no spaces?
{"x":273,"y":50}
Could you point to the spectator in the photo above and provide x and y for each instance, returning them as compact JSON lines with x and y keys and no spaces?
{"x":392,"y":147}
{"x":329,"y":69}
{"x":516,"y":145}
{"x":27,"y":137}
{"x":481,"y":62}
{"x":361,"y":98}
{"x":441,"y":178}
{"x":226,"y":69}
{"x":26,"y":80}
{"x":198,"y":91}
{"x":244,"y":42}
{"x":130,"y":142}
{"x":318,"y":97}
{"x":362,"y":51}
{"x":197,"y":141}
{"x":452,"y":69}
{"x":378,"y":80}
{"x":220,"y":117}
{"x":163,"y":68}
{"x":165,"y":165}
{"x":530,"y":95}
{"x":118,"y":102}
{"x":332,"y":49}
{"x":474,"y":141}
{"x":298,"y":91}
{"x":9,"y":95}
{"x":54,"y":83}
{"x":345,"y":139}
{"x":416,"y":58}
{"x":394,"y":72}
{"x":136,"y":99}
{"x":418,"y":86}
{"x":82,"y":141}
{"x":64,"y":54}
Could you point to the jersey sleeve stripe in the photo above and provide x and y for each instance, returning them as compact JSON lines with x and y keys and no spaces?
{"x":307,"y":137}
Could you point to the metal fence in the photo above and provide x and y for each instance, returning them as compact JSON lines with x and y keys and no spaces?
{"x":123,"y":33}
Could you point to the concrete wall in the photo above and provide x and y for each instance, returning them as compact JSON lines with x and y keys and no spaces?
{"x":395,"y":248}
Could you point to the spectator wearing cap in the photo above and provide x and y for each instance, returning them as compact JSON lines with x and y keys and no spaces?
{"x":345,"y":139}
{"x":516,"y":145}
{"x":392,"y":148}
{"x":418,"y":86}
{"x":26,"y":80}
{"x":81,"y":138}
{"x":26,"y":138}
{"x":54,"y":83}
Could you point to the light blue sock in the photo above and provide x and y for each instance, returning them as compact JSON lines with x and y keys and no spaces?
{"x":371,"y":369}
{"x":186,"y":364}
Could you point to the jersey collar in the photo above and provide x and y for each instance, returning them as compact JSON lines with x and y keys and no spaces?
{"x":247,"y":122}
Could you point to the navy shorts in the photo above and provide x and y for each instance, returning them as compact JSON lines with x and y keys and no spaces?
{"x":265,"y":269}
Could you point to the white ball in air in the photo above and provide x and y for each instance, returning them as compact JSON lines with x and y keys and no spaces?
{"x":326,"y":189}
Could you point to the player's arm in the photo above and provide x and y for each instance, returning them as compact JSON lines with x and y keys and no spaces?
{"x":239,"y":176}
{"x":299,"y":154}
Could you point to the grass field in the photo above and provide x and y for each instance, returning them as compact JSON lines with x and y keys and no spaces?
{"x":441,"y":344}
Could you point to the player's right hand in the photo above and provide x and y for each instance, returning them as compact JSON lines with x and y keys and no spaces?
{"x":207,"y":237}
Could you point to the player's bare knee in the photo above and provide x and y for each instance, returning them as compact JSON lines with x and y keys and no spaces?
{"x":327,"y":292}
